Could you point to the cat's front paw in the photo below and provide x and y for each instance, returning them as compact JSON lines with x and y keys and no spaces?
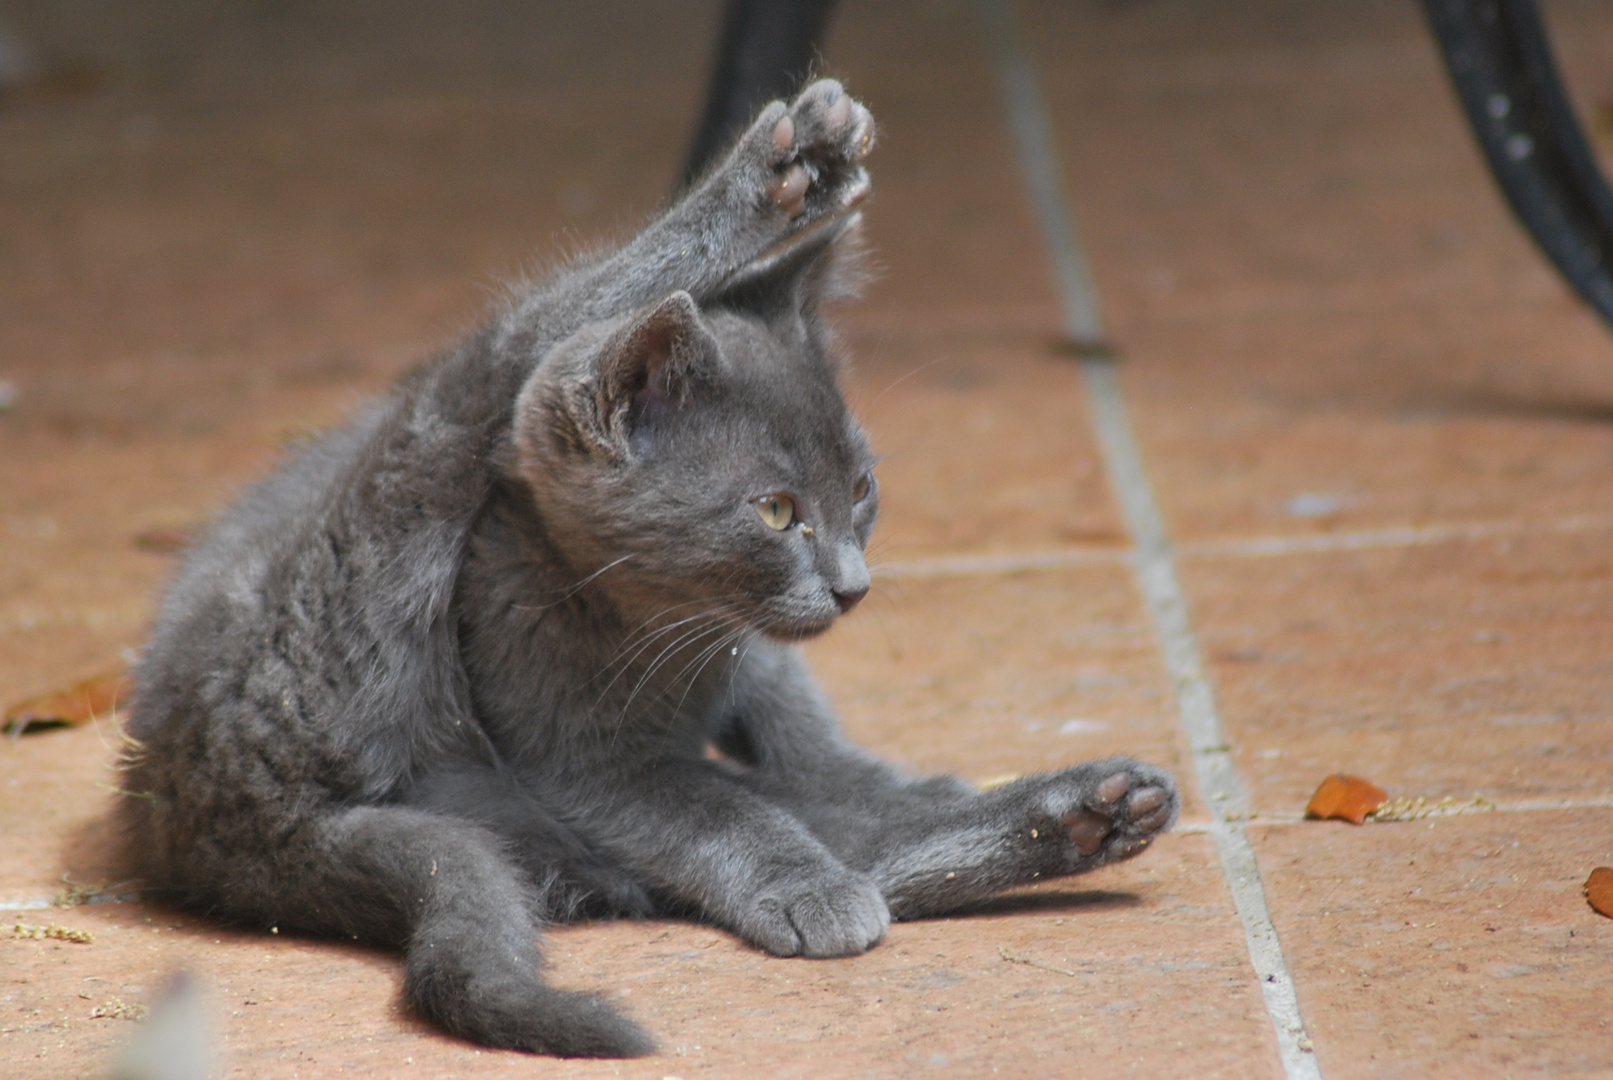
{"x":817,"y":147}
{"x":1109,"y":810}
{"x":841,"y":915}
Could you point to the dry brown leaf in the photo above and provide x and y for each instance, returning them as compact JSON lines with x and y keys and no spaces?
{"x":1599,"y":890}
{"x":1346,"y":798}
{"x":99,"y":695}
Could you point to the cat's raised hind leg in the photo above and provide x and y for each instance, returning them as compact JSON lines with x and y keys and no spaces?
{"x":799,"y":165}
{"x":1036,"y":828}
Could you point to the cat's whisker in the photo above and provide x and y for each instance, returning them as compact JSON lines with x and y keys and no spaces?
{"x":639,"y":647}
{"x":661,"y":658}
{"x":707,"y":655}
{"x":900,"y":379}
{"x":634,"y":637}
{"x":570,"y":591}
{"x":637,"y":643}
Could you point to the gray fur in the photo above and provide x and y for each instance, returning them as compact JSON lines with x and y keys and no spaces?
{"x":454,"y":672}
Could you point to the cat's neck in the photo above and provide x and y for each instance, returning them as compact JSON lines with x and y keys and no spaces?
{"x":629,"y":667}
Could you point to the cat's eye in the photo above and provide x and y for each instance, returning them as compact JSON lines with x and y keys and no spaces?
{"x":777,"y":511}
{"x":865,"y":484}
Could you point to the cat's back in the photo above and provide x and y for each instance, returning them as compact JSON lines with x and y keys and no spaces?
{"x":317,"y":603}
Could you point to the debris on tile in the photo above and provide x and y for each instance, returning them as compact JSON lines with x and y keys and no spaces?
{"x":51,"y":932}
{"x":117,"y":1009}
{"x":1314,"y":505}
{"x":1345,"y":798}
{"x":1028,"y":962}
{"x":1599,"y":890}
{"x":72,"y":894}
{"x":1418,"y":808}
{"x":162,"y":541}
{"x":96,"y":696}
{"x":1000,"y":780}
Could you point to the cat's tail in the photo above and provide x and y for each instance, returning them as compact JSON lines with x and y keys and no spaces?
{"x":467,"y":920}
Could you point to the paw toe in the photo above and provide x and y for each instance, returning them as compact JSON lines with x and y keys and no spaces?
{"x":1152,"y":823}
{"x":1111,"y":789}
{"x":1145,"y":801}
{"x":1088,"y":830}
{"x":838,"y":114}
{"x":789,"y":192}
{"x":832,"y":124}
{"x":784,"y":134}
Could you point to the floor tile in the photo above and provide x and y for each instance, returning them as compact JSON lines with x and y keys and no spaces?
{"x":1093,"y":972}
{"x":1455,"y":670}
{"x":1451,"y":947}
{"x":1000,"y":675}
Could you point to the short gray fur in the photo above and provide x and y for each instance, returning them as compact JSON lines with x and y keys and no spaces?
{"x":516,"y":645}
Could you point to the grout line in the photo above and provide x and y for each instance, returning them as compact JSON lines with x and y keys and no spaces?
{"x":1014,"y":563}
{"x":1155,"y":565}
{"x":1033,"y":138}
{"x":1256,"y":547}
{"x":43,"y":905}
{"x":1267,"y":819}
{"x":1392,"y":536}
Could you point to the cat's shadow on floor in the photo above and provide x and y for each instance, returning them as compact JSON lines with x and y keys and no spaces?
{"x":91,"y":860}
{"x":1047,"y":899}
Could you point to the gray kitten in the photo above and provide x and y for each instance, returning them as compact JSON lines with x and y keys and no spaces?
{"x":517,"y":645}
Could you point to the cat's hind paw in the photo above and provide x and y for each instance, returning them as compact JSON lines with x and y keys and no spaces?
{"x":817,"y":147}
{"x":1113,"y":809}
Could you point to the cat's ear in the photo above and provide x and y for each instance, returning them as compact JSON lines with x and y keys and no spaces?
{"x":813,"y":267}
{"x":652,"y":363}
{"x":606,"y":385}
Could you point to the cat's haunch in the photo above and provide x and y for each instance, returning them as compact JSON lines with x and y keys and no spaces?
{"x":453,"y":672}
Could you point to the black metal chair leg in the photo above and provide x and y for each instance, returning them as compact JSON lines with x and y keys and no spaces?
{"x":1501,"y":62}
{"x":767,"y":48}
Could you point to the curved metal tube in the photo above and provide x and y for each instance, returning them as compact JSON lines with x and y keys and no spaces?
{"x":1500,"y":61}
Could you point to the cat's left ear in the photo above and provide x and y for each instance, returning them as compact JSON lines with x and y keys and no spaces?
{"x":607,"y":384}
{"x":651,"y":364}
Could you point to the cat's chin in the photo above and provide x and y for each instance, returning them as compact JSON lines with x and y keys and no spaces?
{"x":795,"y":633}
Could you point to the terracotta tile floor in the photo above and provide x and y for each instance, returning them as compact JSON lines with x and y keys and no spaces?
{"x":1381,"y":434}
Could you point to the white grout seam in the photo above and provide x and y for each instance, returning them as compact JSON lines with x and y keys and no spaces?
{"x":44,"y":905}
{"x":1255,"y":547}
{"x":1154,"y":563}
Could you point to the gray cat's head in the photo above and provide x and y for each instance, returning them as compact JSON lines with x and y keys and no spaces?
{"x":708,"y":455}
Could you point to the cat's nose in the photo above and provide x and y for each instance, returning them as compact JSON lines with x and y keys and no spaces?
{"x":852,"y":581}
{"x":849,"y":598}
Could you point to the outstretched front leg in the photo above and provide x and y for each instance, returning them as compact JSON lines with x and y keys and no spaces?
{"x":931,"y":845}
{"x":797,"y":169}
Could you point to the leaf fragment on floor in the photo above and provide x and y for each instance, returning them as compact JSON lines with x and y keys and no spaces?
{"x":1599,"y":890}
{"x":1345,"y":798}
{"x":97,"y":696}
